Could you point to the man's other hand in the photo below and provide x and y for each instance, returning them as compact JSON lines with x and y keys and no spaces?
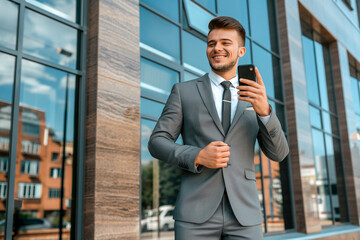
{"x":214,"y":155}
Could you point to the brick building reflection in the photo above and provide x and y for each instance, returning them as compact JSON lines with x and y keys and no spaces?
{"x":38,"y":166}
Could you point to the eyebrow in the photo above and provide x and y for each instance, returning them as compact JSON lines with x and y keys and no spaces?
{"x":222,"y":39}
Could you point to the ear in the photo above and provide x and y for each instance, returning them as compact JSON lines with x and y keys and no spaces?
{"x":241,"y":52}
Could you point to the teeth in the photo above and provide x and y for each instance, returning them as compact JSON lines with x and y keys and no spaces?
{"x":219,"y":56}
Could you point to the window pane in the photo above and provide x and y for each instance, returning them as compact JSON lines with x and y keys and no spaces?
{"x":236,"y":9}
{"x":8,"y":26}
{"x":43,"y":104}
{"x":194,"y":53}
{"x":160,"y":35}
{"x":65,"y":9}
{"x":151,"y":108}
{"x":259,"y":19}
{"x":315,"y":117}
{"x":208,"y":4}
{"x":168,"y":8}
{"x":189,"y":76}
{"x":197,"y":17}
{"x":246,"y":59}
{"x":49,"y":39}
{"x":355,"y":94}
{"x":267,"y":67}
{"x":310,"y":71}
{"x":326,"y":122}
{"x":321,"y":75}
{"x":156,"y":80}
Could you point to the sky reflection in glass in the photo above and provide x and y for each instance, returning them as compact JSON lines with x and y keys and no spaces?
{"x":43,"y":37}
{"x":43,"y":88}
{"x":64,"y":8}
{"x":8,"y":26}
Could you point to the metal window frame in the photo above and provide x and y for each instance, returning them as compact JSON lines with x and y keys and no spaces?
{"x":81,"y":27}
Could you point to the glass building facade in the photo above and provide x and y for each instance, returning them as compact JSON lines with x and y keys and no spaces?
{"x":83,"y":82}
{"x":41,"y":73}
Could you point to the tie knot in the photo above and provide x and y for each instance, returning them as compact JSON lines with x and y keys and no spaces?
{"x":226,"y":84}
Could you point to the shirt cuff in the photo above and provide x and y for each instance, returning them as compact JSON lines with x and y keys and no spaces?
{"x":264,"y":119}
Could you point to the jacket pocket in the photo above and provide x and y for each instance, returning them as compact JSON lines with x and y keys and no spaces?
{"x":250,"y":174}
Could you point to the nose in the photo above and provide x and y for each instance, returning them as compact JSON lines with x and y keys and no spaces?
{"x":218,"y":47}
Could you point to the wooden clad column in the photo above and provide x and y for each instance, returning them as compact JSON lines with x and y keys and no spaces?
{"x":347,"y":125}
{"x":297,"y":110}
{"x":112,"y":180}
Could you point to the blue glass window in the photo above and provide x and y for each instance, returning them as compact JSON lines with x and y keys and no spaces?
{"x":310,"y":70}
{"x":208,"y":4}
{"x":49,"y":39}
{"x":321,"y":75}
{"x":246,"y":59}
{"x":315,"y":117}
{"x":355,"y":94}
{"x":237,"y":9}
{"x":8,"y":26}
{"x":264,"y":62}
{"x":189,"y":76}
{"x":194,"y":53}
{"x":165,"y":7}
{"x":159,"y":35}
{"x":65,"y":8}
{"x":156,"y":80}
{"x":151,"y":108}
{"x":259,"y":20}
{"x":197,"y":17}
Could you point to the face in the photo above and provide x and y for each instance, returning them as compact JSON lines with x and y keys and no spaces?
{"x":224,"y":49}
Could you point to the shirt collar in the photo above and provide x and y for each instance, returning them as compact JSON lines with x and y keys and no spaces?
{"x":217,"y":80}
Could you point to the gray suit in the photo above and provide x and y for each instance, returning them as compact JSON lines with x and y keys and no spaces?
{"x":190,"y":110}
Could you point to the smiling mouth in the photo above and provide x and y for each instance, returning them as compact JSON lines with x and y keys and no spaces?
{"x":219,"y":57}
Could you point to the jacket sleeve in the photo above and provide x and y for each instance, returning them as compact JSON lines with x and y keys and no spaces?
{"x":271,"y":139}
{"x":162,"y":140}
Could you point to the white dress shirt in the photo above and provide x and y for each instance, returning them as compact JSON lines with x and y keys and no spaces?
{"x":218,"y":89}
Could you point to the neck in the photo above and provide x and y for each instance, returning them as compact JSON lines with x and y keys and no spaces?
{"x":226,"y":75}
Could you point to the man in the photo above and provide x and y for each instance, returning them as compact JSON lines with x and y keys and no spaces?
{"x":218,"y":197}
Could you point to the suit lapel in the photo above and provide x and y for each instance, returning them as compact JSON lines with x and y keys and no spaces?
{"x":238,"y":113}
{"x":205,"y":91}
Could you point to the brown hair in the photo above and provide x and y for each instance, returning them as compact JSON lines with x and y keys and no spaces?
{"x":227,"y":23}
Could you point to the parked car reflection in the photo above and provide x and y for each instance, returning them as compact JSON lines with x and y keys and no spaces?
{"x":151,"y":221}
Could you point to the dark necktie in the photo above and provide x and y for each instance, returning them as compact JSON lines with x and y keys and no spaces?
{"x":226,"y":106}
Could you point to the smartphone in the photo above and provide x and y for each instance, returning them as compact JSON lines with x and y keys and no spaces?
{"x":248,"y":72}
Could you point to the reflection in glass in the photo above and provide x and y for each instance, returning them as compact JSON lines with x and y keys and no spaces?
{"x":320,"y":64}
{"x":236,"y":9}
{"x":168,"y":8}
{"x":160,"y":185}
{"x":7,"y":66}
{"x":43,"y":104}
{"x":151,"y":108}
{"x":315,"y":118}
{"x":197,"y":17}
{"x":355,"y":94}
{"x":159,"y":36}
{"x":263,"y":60}
{"x":8,"y":26}
{"x":246,"y":59}
{"x":64,"y":8}
{"x":44,"y":38}
{"x":189,"y":76}
{"x":260,"y":22}
{"x":310,"y":70}
{"x":208,"y":4}
{"x":156,"y":80}
{"x":194,"y":53}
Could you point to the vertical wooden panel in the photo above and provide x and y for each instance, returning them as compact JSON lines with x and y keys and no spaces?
{"x":112,"y":177}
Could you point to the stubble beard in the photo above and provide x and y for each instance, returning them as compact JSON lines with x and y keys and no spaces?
{"x":223,"y":68}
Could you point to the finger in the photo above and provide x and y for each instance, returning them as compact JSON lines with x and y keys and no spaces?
{"x":248,"y":93}
{"x":218,"y":143}
{"x":249,"y":82}
{"x":258,"y":76}
{"x":223,"y":148}
{"x":246,"y":99}
{"x":250,"y":88}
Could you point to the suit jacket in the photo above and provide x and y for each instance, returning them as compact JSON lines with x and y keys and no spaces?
{"x":190,"y":110}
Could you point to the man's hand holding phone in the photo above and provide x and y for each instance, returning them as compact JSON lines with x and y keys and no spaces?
{"x":255,"y":93}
